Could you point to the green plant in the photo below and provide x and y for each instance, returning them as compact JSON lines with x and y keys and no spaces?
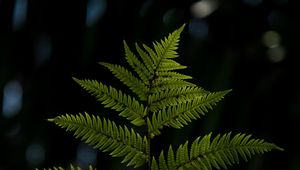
{"x":71,"y":168}
{"x":164,"y":99}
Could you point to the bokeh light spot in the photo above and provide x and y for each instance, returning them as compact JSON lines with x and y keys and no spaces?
{"x":12,"y":99}
{"x":35,"y":154}
{"x":204,"y":8}
{"x":271,"y":39}
{"x":276,"y":54}
{"x":198,"y":29}
{"x":19,"y":14}
{"x":86,"y":155}
{"x":95,"y":10}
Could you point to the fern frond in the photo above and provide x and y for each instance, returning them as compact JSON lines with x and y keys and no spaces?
{"x":169,"y":65}
{"x":57,"y":168}
{"x":106,"y":136}
{"x":137,"y":66}
{"x":162,"y":55}
{"x":165,"y":98}
{"x":110,"y":97}
{"x":174,"y":96}
{"x":71,"y":167}
{"x":146,"y":59}
{"x":153,"y":56}
{"x":206,"y":153}
{"x":154,"y":165}
{"x":179,"y":115}
{"x":125,"y":76}
{"x":168,"y":46}
{"x":160,"y":85}
{"x":173,"y":75}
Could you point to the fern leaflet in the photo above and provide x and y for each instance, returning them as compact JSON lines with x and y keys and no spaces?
{"x":125,"y":76}
{"x":112,"y":98}
{"x":167,"y":47}
{"x":146,"y":59}
{"x":138,"y":66}
{"x":179,"y":115}
{"x":105,"y":135}
{"x":71,"y":167}
{"x":206,"y":154}
{"x":160,"y":86}
{"x":175,"y":75}
{"x":174,"y":96}
{"x":169,"y":65}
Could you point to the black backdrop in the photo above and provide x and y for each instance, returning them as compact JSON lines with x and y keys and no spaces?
{"x":247,"y":45}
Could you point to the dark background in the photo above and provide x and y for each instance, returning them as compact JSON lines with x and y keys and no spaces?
{"x":250,"y":46}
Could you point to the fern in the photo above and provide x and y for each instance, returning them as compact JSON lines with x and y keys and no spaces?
{"x":206,"y":154}
{"x":71,"y":167}
{"x":107,"y":136}
{"x":163,"y":98}
{"x":179,"y":115}
{"x":112,"y":98}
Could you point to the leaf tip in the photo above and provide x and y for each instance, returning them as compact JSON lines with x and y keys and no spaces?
{"x":76,"y":79}
{"x":278,"y":148}
{"x":51,"y":120}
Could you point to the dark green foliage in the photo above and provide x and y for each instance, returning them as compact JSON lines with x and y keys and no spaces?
{"x":107,"y":136}
{"x":163,"y":97}
{"x":110,"y":97}
{"x":206,"y":153}
{"x":183,"y":111}
{"x":71,"y":167}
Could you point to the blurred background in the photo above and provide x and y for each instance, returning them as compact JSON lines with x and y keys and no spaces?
{"x":245,"y":45}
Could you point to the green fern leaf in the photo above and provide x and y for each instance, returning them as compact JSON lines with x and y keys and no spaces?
{"x":162,"y":55}
{"x":155,"y":70}
{"x":159,"y":85}
{"x":125,"y":76}
{"x":169,"y":65}
{"x":167,"y":47}
{"x":173,"y":75}
{"x":152,"y":55}
{"x":138,"y":66}
{"x":179,"y":115}
{"x":71,"y":167}
{"x":171,"y":157}
{"x":162,"y":163}
{"x":154,"y":165}
{"x":163,"y":83}
{"x":165,"y":98}
{"x":112,"y":98}
{"x":56,"y":168}
{"x":105,"y":135}
{"x":146,"y":59}
{"x":174,"y":96}
{"x":222,"y":151}
{"x":165,"y":52}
